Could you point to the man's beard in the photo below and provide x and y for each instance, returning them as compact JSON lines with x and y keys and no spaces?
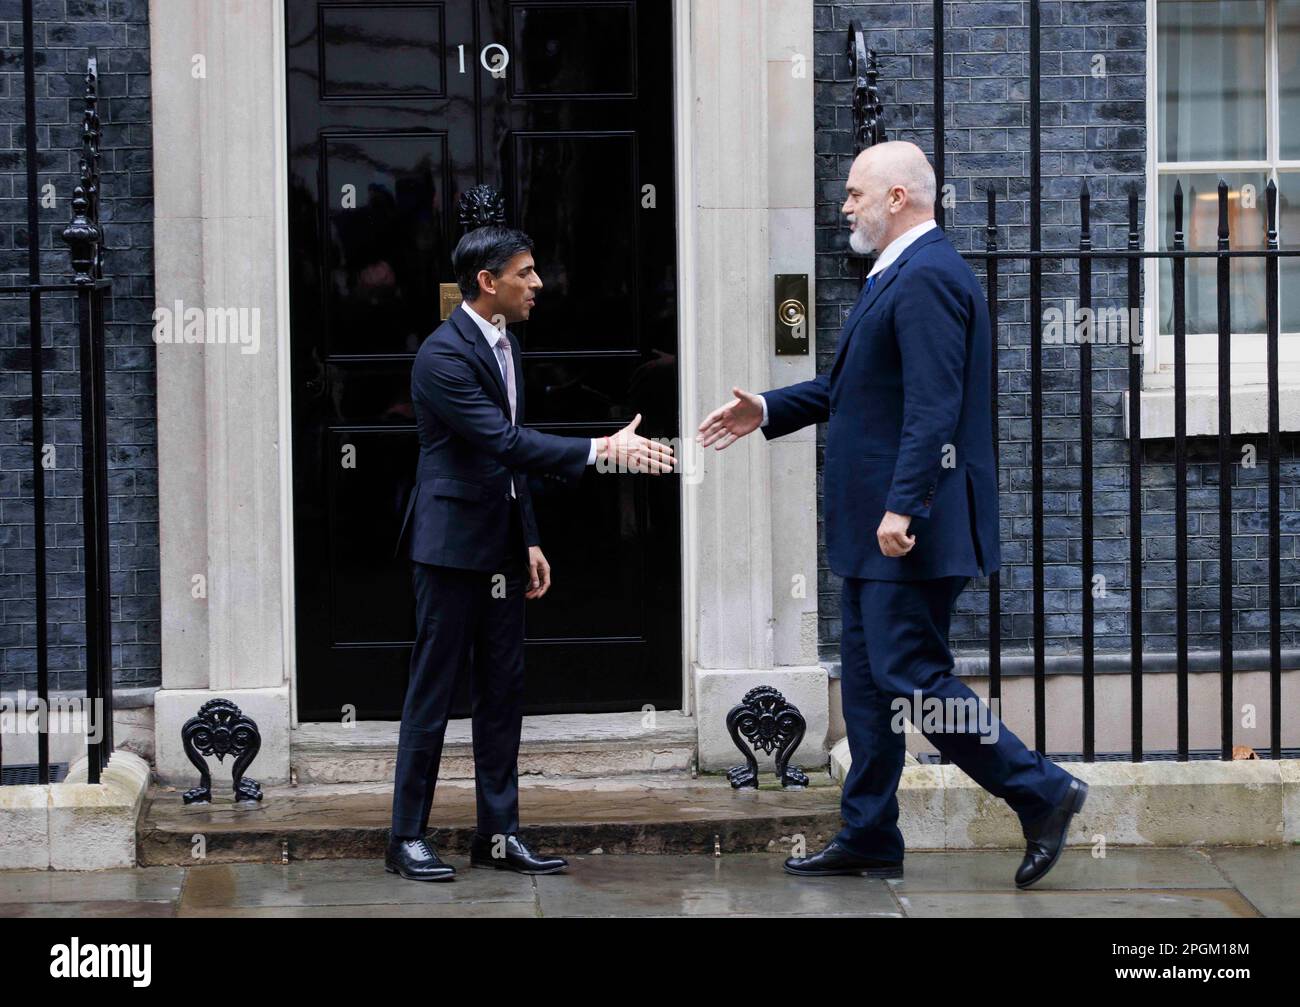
{"x":866,"y":235}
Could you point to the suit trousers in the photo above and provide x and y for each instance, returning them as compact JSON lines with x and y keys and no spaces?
{"x":895,"y":646}
{"x":465,"y":619}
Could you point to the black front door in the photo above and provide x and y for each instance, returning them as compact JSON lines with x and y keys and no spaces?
{"x":395,"y":109}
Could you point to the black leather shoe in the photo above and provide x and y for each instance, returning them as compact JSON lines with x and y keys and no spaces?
{"x":415,"y":860}
{"x":1046,"y":837}
{"x":515,"y":856}
{"x":835,"y":859}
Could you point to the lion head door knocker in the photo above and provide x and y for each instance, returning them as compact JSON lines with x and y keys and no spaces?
{"x":767,"y":721}
{"x":221,"y":729}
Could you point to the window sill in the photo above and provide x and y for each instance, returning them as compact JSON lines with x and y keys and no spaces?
{"x":1249,"y":410}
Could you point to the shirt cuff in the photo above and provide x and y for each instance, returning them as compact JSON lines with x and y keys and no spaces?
{"x":764,"y":402}
{"x":591,"y":455}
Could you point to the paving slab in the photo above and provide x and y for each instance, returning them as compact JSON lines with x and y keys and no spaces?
{"x":1121,"y":868}
{"x":1128,"y":883}
{"x":345,"y":883}
{"x":106,"y":909}
{"x":738,"y":885}
{"x":1167,"y":903}
{"x":120,"y":884}
{"x":1269,"y":876}
{"x":451,"y":910}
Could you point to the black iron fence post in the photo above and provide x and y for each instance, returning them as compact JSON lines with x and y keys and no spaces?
{"x":1274,"y":488}
{"x":1179,"y":268}
{"x":35,"y":326}
{"x":1223,"y":278}
{"x":84,"y":237}
{"x":1134,"y":483}
{"x":1085,"y":467}
{"x":995,"y":578}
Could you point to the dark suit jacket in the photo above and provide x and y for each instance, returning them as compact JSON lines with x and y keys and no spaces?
{"x":910,"y":421}
{"x":470,"y":452}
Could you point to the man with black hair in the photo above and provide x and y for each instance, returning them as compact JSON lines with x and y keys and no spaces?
{"x":476,"y":552}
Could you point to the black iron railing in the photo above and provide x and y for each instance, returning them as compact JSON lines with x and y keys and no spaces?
{"x":1177,"y":256}
{"x":88,"y":286}
{"x":867,"y":130}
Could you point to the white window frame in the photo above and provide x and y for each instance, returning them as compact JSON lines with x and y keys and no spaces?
{"x":1249,"y":360}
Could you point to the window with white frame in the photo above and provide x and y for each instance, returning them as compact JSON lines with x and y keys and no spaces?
{"x":1225,"y":103}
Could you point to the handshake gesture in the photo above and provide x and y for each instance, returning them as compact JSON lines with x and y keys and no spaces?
{"x":628,"y":451}
{"x":727,"y":424}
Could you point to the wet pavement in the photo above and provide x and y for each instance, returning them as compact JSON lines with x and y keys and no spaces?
{"x":1184,"y":882}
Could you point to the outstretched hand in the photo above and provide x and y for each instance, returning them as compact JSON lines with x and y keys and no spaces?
{"x":628,"y":451}
{"x":727,"y":424}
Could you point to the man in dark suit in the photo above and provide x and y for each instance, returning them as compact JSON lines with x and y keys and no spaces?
{"x":476,"y":552}
{"x":911,"y":511}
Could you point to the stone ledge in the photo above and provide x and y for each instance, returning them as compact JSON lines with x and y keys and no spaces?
{"x":75,"y":825}
{"x":1210,"y":803}
{"x":124,"y":697}
{"x":969,"y":664}
{"x":644,"y":814}
{"x":551,"y":745}
{"x":1249,"y":403}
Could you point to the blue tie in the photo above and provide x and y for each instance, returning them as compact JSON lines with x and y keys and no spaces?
{"x":871,"y":282}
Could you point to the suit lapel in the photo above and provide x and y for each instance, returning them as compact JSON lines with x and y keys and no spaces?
{"x":469,"y":329}
{"x":883,"y":279}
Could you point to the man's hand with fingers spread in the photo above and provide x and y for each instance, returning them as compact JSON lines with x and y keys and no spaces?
{"x":727,"y":424}
{"x":628,"y":451}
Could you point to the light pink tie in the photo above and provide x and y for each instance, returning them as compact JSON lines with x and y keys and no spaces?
{"x":507,"y":370}
{"x":506,"y":359}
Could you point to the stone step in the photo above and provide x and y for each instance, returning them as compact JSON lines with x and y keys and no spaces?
{"x":560,"y":745}
{"x":645,"y":813}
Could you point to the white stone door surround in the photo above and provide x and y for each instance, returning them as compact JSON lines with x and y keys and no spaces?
{"x":745,"y":156}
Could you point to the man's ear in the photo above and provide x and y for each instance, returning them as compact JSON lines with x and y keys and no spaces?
{"x":487,"y":286}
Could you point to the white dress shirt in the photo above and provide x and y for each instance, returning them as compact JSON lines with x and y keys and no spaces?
{"x":491,"y":333}
{"x":886,"y":259}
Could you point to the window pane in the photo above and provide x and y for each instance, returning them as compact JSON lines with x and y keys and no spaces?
{"x":1210,"y":60}
{"x":1288,"y":79}
{"x":1247,"y":222}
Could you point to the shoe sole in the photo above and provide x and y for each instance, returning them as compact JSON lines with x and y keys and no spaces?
{"x":862,"y":872}
{"x":504,"y":867}
{"x":416,"y":877}
{"x":1079,"y":798}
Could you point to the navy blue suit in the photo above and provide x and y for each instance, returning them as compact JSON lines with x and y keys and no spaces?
{"x":468,"y":541}
{"x":907,"y":403}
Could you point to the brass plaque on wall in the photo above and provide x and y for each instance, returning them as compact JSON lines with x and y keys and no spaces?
{"x":448,"y":298}
{"x":790,"y":303}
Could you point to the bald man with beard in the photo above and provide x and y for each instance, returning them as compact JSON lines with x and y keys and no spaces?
{"x":911,"y":511}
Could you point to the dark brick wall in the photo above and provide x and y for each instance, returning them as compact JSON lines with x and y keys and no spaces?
{"x":65,"y":29}
{"x":1093,"y":128}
